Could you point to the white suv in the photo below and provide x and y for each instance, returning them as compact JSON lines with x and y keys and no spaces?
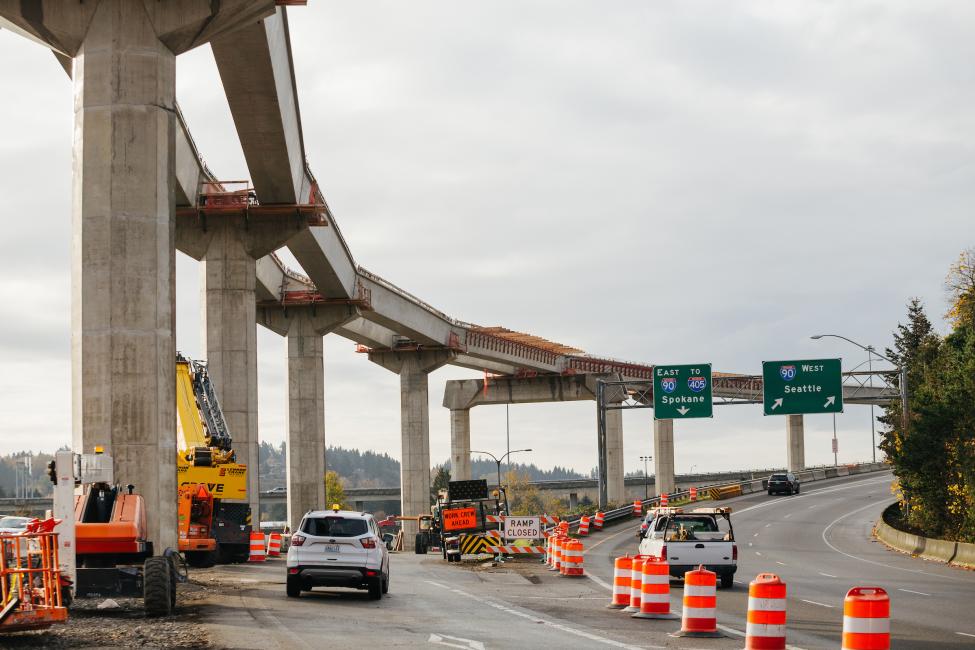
{"x":338,"y":548}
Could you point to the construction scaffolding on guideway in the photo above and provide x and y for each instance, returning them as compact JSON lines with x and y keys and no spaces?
{"x":869,"y":387}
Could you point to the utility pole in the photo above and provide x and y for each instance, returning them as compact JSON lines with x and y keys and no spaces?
{"x":873,"y":420}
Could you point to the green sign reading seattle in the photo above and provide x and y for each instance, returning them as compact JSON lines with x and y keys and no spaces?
{"x":810,"y":386}
{"x":682,"y":392}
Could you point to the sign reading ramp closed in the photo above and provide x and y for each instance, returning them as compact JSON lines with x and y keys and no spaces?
{"x":459,"y":518}
{"x":522,"y":528}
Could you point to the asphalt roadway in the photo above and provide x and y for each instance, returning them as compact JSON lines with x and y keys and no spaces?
{"x":818,"y":542}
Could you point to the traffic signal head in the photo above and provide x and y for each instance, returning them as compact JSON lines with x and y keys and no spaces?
{"x":52,"y":472}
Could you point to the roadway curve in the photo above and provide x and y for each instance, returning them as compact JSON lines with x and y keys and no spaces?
{"x":820,"y":544}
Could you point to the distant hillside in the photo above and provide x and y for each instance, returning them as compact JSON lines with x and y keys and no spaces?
{"x":369,"y":469}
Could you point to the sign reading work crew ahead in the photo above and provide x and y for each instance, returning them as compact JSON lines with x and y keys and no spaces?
{"x":809,"y":386}
{"x":682,"y":392}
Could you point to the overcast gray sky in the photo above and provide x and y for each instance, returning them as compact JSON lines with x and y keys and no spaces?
{"x":658,"y":182}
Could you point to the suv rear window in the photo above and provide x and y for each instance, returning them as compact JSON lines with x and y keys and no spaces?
{"x":778,"y":477}
{"x":334,"y":527}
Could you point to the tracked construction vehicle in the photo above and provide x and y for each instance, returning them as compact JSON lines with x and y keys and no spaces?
{"x":214,"y":518}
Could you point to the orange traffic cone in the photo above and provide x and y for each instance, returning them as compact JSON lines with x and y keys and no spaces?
{"x":700,"y":603}
{"x":257,"y":554}
{"x":765,"y":627}
{"x":866,"y":619}
{"x":621,"y":582}
{"x":655,"y":599}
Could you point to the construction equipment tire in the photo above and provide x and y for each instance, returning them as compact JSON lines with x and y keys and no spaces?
{"x":157,"y":589}
{"x":420,"y":544}
{"x":201,"y":559}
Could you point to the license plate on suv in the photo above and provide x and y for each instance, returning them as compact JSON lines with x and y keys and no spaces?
{"x":332,"y":548}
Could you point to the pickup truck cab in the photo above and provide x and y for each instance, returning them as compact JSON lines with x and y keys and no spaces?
{"x":687,"y":539}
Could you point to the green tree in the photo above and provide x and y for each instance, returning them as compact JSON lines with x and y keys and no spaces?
{"x":960,"y":285}
{"x":441,"y":477}
{"x":334,"y":491}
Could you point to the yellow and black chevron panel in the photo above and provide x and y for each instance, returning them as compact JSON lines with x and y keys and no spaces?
{"x":473,"y":544}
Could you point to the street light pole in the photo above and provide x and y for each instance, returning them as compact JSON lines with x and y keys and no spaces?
{"x":646,"y":477}
{"x":873,"y":433}
{"x":498,"y":461}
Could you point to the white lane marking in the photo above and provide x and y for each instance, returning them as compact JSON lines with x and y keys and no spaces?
{"x":965,"y":634}
{"x":881,"y":505}
{"x":628,"y":529}
{"x":739,"y":582}
{"x":919,"y":593}
{"x":468,"y":644}
{"x":767,"y":525}
{"x":749,"y":543}
{"x":787,"y":516}
{"x":758,"y":552}
{"x":541,"y":621}
{"x":828,"y":575}
{"x":755,"y":535}
{"x":782,"y":563}
{"x":813,"y":506}
{"x":813,"y":602}
{"x":598,"y":581}
{"x":812,"y":493}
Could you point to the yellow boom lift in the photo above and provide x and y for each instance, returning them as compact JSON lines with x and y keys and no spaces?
{"x":214,"y":515}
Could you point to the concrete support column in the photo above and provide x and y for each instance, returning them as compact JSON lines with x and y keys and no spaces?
{"x":123,"y":313}
{"x":663,"y":456}
{"x":795,"y":442}
{"x":460,"y":445}
{"x":413,"y":369}
{"x":230,"y":339}
{"x":305,"y":423}
{"x":614,"y":456}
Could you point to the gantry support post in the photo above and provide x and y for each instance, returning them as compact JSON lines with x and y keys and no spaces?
{"x":413,"y":368}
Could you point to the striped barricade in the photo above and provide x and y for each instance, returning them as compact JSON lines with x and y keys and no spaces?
{"x":725,"y":492}
{"x":516,"y":550}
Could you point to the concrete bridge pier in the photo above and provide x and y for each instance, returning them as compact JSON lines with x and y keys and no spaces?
{"x":305,"y":449}
{"x":795,"y":442}
{"x":663,"y":456}
{"x":614,"y":456}
{"x":460,"y":444}
{"x":229,"y":247}
{"x":413,"y":368}
{"x":123,"y":279}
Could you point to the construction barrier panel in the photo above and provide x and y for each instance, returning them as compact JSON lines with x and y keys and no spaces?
{"x":699,"y":617}
{"x":636,"y":584}
{"x":621,"y":582}
{"x":866,"y":619}
{"x":545,"y":520}
{"x":474,"y":544}
{"x":765,"y":625}
{"x":516,"y":550}
{"x":725,"y":492}
{"x":598,"y":522}
{"x":637,"y":508}
{"x":655,"y":597}
{"x":257,"y":550}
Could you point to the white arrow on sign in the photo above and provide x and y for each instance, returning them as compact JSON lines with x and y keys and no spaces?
{"x":683,"y":410}
{"x":467,"y":644}
{"x":776,"y":404}
{"x":829,"y":401}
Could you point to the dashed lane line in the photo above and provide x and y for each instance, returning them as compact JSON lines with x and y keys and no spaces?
{"x":535,"y":619}
{"x":910,"y":591}
{"x":828,"y":575}
{"x":813,"y":602}
{"x":966,"y":634}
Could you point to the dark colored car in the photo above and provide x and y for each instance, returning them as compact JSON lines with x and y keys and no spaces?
{"x":785,"y":483}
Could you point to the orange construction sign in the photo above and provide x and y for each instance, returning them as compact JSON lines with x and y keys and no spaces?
{"x":459,"y":518}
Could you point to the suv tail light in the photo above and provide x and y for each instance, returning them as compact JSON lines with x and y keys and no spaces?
{"x":368,"y":542}
{"x":734,"y":552}
{"x":663,"y":552}
{"x":297,"y":540}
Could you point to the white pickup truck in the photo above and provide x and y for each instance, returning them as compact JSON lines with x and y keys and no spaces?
{"x":689,"y":538}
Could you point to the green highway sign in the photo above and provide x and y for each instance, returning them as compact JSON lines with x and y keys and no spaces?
{"x":682,"y":392}
{"x":802,"y":386}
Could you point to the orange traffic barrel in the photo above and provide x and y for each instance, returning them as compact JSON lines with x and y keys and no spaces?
{"x":693,"y":494}
{"x":637,"y":508}
{"x":699,"y":617}
{"x":550,"y":551}
{"x":765,"y":627}
{"x":573,"y":559}
{"x":866,"y":619}
{"x":655,"y":599}
{"x":636,"y":584}
{"x":257,"y":552}
{"x":598,"y":521}
{"x":556,"y":554}
{"x":584,"y":525}
{"x":664,"y":500}
{"x":274,"y":545}
{"x":621,"y":582}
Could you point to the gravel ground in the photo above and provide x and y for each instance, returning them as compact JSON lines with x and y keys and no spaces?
{"x":125,"y":627}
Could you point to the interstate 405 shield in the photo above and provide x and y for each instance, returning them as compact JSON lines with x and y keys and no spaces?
{"x":802,"y":386}
{"x":682,"y":392}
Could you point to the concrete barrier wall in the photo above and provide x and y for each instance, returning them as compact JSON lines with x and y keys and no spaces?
{"x":938,"y":550}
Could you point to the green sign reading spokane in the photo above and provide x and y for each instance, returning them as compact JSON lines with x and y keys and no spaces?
{"x":802,"y":386}
{"x":682,"y":392}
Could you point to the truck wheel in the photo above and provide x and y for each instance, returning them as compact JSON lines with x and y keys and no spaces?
{"x":201,"y":559}
{"x":375,"y":589}
{"x":419,"y":544}
{"x":727,"y":580}
{"x":293,"y":587}
{"x":157,"y":585}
